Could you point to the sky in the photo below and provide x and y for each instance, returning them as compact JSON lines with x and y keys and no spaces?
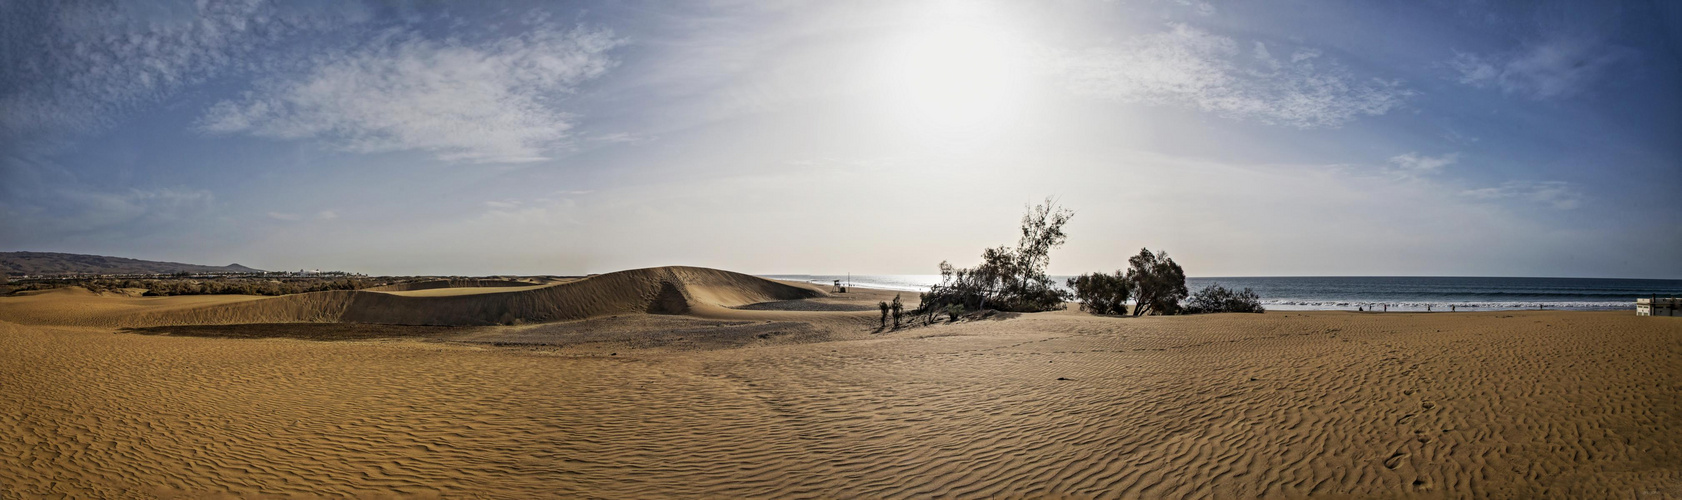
{"x":1245,"y":138}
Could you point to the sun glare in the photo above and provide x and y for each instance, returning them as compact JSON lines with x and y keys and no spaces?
{"x":956,"y":78}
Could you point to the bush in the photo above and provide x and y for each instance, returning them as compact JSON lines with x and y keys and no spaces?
{"x":884,"y":307}
{"x":221,"y":286}
{"x":1009,"y":279}
{"x":952,"y":313}
{"x":1101,"y":293}
{"x":1217,"y":299}
{"x":1158,"y":283}
{"x":898,"y":309}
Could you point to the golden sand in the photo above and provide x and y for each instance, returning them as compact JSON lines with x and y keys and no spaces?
{"x":792,"y":403}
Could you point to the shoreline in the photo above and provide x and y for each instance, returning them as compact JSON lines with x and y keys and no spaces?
{"x":1290,"y":304}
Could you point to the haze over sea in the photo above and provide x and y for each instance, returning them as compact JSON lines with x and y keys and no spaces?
{"x":1401,"y":293}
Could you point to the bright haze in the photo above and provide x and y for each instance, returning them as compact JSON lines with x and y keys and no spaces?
{"x":1245,"y":138}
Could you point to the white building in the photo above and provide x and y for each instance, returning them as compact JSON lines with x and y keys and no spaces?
{"x":1656,"y":306}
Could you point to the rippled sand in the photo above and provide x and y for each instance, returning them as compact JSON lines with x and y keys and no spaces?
{"x":1285,"y":404}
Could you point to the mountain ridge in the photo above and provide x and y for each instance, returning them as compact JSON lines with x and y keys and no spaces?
{"x":33,"y":263}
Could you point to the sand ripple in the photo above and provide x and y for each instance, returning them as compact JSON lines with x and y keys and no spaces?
{"x":1064,"y":405}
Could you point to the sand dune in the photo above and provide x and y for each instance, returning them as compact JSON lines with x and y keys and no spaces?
{"x":669,"y":290}
{"x":462,"y":290}
{"x":1502,"y":405}
{"x":755,"y":392}
{"x":449,"y":283}
{"x":78,"y":306}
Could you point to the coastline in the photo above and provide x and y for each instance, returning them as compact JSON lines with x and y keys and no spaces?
{"x":1349,"y":293}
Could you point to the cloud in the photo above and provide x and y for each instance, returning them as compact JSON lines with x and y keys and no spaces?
{"x":489,"y":102}
{"x":1201,"y":7}
{"x":616,"y":137}
{"x":1412,"y":163}
{"x":285,"y":216}
{"x":74,"y":67}
{"x":1190,"y":67}
{"x":1558,"y":67}
{"x":326,"y":215}
{"x":1560,"y":195}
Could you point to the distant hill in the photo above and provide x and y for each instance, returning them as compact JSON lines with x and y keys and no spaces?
{"x":33,"y":263}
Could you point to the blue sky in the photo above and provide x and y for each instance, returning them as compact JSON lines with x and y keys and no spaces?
{"x":1245,"y":138}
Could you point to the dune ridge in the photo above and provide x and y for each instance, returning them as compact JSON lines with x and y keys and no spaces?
{"x":447,"y":283}
{"x":659,"y":290}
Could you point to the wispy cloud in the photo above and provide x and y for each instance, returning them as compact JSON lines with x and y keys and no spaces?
{"x":71,"y":67}
{"x":1201,"y":7}
{"x":1188,"y":66}
{"x":495,"y":101}
{"x":289,"y":217}
{"x":1414,"y":164}
{"x":1556,"y":67}
{"x":1559,"y":194}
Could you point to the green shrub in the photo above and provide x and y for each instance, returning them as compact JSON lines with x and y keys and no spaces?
{"x":1158,"y":283}
{"x":1101,"y":293}
{"x":1217,"y":299}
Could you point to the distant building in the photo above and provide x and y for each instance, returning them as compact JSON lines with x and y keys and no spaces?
{"x":1658,"y":306}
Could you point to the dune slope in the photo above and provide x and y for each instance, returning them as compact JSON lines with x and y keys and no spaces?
{"x":660,"y":290}
{"x":447,"y":283}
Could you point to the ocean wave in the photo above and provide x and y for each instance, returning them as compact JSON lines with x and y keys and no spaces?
{"x":1352,"y":293}
{"x":1445,"y":305}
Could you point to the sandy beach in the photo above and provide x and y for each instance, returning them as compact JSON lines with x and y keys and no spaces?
{"x":750,"y":394}
{"x":878,"y":249}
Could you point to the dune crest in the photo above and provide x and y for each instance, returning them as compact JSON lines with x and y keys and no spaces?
{"x":657,"y":290}
{"x":447,"y":283}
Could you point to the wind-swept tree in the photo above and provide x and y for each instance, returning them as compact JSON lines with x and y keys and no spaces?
{"x":1010,"y":279}
{"x":1158,"y":283}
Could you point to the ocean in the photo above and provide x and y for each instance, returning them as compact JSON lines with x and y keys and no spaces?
{"x":1402,"y":293}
